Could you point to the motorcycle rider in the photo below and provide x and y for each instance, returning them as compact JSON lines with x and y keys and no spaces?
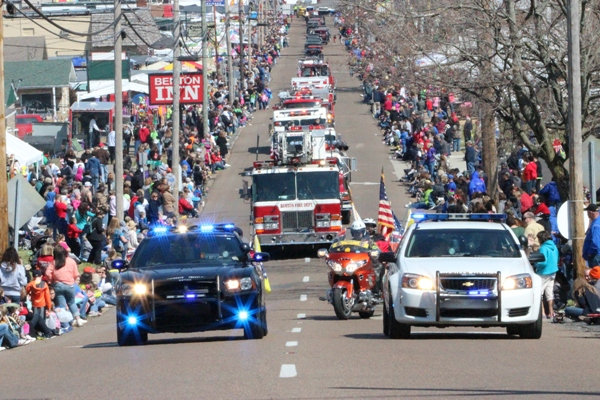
{"x":363,"y":231}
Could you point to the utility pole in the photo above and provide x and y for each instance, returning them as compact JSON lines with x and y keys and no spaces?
{"x":217,"y":68}
{"x":231,"y":79}
{"x":3,"y":175}
{"x":175,"y":163}
{"x":488,"y":126}
{"x":241,"y":39}
{"x":118,"y":122}
{"x":576,"y":228}
{"x":204,"y":71}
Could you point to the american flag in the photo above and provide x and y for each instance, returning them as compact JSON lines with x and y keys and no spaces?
{"x":386,"y":220}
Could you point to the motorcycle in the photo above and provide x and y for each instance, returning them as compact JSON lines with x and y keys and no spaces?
{"x":353,"y":278}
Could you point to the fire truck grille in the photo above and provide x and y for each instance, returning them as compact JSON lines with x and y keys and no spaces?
{"x":297,"y":221}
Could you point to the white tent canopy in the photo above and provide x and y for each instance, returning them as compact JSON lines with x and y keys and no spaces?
{"x":23,"y":152}
{"x":109,"y":89}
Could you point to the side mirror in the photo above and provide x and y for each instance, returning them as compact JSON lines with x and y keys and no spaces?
{"x":119,"y":265}
{"x":536,"y":257}
{"x":261,"y":257}
{"x":387,"y":256}
{"x":245,"y":247}
{"x":322,"y":253}
{"x":523,"y":241}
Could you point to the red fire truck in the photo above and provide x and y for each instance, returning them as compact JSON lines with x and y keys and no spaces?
{"x":296,"y":205}
{"x":307,"y":98}
{"x":312,"y":67}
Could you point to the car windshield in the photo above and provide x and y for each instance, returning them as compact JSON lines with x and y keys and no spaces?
{"x":170,"y":250}
{"x":462,"y":243}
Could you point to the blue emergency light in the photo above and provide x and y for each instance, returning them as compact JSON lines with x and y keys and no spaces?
{"x":421,"y":217}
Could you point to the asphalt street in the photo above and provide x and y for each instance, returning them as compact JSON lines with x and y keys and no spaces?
{"x":308,"y":353}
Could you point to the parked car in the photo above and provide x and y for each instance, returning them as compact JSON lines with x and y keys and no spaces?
{"x":24,"y":123}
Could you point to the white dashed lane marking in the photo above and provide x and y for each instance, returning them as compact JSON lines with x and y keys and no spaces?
{"x":287,"y":371}
{"x":301,"y":316}
{"x":306,"y":279}
{"x":303,"y":297}
{"x":296,"y":330}
{"x":291,"y":344}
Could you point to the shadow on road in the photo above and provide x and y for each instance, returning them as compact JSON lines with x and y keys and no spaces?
{"x":172,"y":341}
{"x":264,"y":150}
{"x":403,"y":392}
{"x":442,"y":335}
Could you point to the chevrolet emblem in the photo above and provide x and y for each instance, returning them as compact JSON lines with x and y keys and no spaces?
{"x":468,"y":284}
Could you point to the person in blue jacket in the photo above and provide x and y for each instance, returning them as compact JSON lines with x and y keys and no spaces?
{"x":547,"y":270}
{"x":591,"y":243}
{"x":550,"y":194}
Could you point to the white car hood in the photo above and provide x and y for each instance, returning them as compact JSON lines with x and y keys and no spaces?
{"x":468,"y":265}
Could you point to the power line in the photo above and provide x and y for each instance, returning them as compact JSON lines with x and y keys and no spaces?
{"x":53,"y":33}
{"x":41,"y":14}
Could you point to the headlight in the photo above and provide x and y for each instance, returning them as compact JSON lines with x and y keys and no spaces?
{"x":335,"y":266}
{"x":135,"y":289}
{"x":414,"y":281}
{"x":353,"y":266}
{"x":140,"y":289}
{"x":521,"y":281}
{"x":235,"y":285}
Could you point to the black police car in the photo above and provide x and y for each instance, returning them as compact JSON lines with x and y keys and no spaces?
{"x":191,"y":279}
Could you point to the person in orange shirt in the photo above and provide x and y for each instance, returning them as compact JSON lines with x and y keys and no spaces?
{"x":41,"y":303}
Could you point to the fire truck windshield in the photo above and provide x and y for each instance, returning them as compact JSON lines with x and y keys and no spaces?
{"x":317,"y":185}
{"x":294,"y":144}
{"x":303,"y":185}
{"x":301,"y":104}
{"x":300,"y":122}
{"x":315,"y":71}
{"x":273,"y":187}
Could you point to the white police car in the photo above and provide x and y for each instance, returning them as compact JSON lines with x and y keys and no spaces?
{"x":461,"y":270}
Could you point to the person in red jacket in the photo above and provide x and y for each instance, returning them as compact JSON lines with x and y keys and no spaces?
{"x":41,"y":303}
{"x":185,"y":207}
{"x":530,"y":174}
{"x":72,"y":236}
{"x":144,"y":133}
{"x":60,"y":207}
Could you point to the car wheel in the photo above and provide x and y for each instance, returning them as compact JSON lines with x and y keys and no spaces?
{"x":397,"y":329}
{"x":533,"y":330}
{"x":256,"y":329}
{"x":386,"y":320}
{"x":512,"y":330}
{"x":341,"y":304}
{"x":366,"y":314}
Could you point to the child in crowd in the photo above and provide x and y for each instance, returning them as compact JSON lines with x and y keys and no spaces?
{"x":41,"y":305}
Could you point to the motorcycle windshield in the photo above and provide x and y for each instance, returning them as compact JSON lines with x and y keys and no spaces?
{"x":349,"y":246}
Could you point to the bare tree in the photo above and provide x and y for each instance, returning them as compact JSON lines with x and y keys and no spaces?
{"x":507,"y":55}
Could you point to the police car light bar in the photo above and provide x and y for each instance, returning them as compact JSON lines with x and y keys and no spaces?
{"x":205,"y":228}
{"x":420,"y":217}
